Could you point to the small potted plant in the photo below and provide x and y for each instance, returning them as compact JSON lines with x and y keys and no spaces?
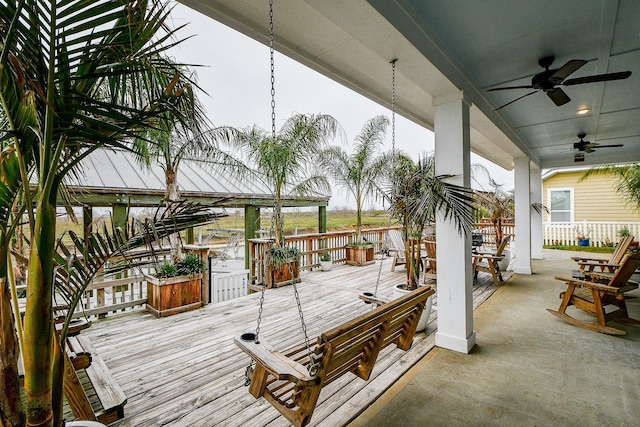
{"x":582,"y":238}
{"x":283,"y":266}
{"x":176,"y":287}
{"x":325,"y":261}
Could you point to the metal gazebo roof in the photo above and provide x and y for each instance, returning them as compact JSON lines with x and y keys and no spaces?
{"x":113,"y":176}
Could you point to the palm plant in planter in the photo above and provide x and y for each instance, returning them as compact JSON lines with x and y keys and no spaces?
{"x":416,"y":195}
{"x":286,"y":161}
{"x":358,"y":173}
{"x":176,"y":287}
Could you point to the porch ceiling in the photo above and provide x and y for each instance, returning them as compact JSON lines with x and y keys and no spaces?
{"x":444,"y":46}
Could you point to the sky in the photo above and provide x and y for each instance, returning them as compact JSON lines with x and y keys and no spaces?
{"x":234,"y":71}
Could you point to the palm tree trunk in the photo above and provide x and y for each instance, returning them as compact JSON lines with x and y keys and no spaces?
{"x":358,"y":220}
{"x":38,"y":322}
{"x":172,"y":196}
{"x":277,"y":212}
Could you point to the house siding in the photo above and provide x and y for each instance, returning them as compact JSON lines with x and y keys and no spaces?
{"x":594,"y":199}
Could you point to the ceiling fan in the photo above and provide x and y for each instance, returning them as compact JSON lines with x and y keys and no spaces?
{"x":588,"y":147}
{"x":548,"y":80}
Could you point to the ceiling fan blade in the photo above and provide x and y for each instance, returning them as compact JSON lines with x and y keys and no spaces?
{"x":610,"y":146}
{"x":510,"y":87}
{"x":597,"y":78}
{"x":558,"y":96}
{"x":517,"y":99}
{"x":578,"y":158}
{"x":567,"y":69}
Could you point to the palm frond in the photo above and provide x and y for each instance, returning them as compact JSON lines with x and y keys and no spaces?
{"x":110,"y":251}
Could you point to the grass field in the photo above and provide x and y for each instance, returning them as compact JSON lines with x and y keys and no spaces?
{"x":295,"y":222}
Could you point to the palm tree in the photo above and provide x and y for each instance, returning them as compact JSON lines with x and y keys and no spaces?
{"x":628,"y":176}
{"x":287,"y":162}
{"x":359,"y":171}
{"x":416,"y":195}
{"x":498,"y":203}
{"x":74,"y":77}
{"x":172,"y":143}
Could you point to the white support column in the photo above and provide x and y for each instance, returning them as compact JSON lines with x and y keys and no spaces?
{"x":522,"y":179}
{"x":536,"y":218}
{"x":453,"y":251}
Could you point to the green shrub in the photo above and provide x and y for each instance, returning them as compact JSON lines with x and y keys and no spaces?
{"x":166,"y":270}
{"x":279,"y":256}
{"x":191,"y":264}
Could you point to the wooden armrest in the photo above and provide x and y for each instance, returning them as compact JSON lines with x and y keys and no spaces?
{"x":275,"y":362}
{"x":602,"y":263}
{"x":488,"y":256}
{"x":592,"y":285}
{"x":375,"y":299}
{"x":483,"y":253}
{"x":583,"y":259}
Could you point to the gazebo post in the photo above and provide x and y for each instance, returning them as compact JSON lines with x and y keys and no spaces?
{"x":322,"y":219}
{"x":251,"y":219}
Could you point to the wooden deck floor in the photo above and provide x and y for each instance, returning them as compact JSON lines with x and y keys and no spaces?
{"x":184,"y":370}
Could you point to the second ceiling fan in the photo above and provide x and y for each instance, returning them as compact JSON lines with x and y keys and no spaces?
{"x":588,"y":147}
{"x":549,"y":80}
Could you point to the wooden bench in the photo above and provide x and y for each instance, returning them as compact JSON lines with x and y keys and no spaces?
{"x":90,"y":389}
{"x":283,"y":378}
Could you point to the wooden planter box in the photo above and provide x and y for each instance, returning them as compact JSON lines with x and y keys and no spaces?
{"x":173,"y":295}
{"x":284,"y":274}
{"x":360,"y":255}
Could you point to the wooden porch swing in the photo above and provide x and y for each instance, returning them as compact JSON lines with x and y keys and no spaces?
{"x":291,"y":381}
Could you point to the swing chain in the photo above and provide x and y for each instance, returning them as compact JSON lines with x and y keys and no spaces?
{"x":393,"y":151}
{"x":248,"y":373}
{"x":313,"y":368}
{"x":273,"y":75}
{"x":393,"y":108}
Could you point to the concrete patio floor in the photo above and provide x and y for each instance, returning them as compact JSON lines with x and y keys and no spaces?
{"x":528,"y":368}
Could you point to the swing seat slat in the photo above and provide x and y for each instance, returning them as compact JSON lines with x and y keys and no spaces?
{"x":282,"y":378}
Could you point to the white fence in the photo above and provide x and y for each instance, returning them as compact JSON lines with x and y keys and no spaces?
{"x":598,"y":233}
{"x":228,"y":285}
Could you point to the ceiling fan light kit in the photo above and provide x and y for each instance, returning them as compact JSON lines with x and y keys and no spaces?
{"x":549,"y":80}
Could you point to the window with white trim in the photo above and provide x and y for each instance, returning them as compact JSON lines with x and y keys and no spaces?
{"x":560,"y":204}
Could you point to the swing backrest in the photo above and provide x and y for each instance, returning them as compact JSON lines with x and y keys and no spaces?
{"x":354,"y":346}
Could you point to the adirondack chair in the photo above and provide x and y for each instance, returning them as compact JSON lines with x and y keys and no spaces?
{"x":283,"y":378}
{"x":429,"y":265}
{"x":590,"y":264}
{"x":397,"y":247}
{"x":593,"y":296}
{"x":487,"y":262}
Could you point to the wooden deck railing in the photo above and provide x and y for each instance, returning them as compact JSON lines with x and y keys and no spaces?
{"x":310,"y":247}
